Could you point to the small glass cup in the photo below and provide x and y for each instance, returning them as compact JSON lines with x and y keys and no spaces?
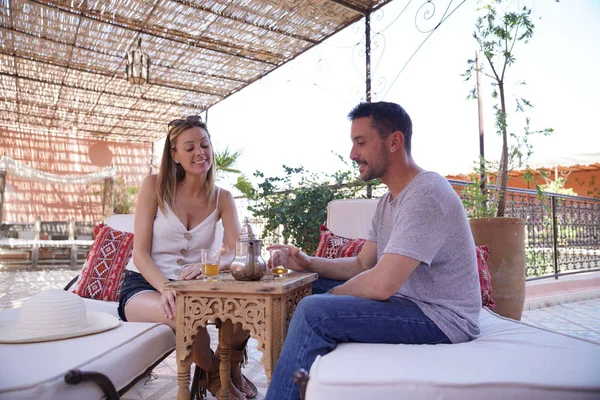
{"x":279,"y":261}
{"x":210,"y":260}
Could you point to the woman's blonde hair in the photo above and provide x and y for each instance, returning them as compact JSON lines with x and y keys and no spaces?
{"x":170,"y":172}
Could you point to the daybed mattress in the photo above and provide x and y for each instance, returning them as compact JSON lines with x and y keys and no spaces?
{"x":511,"y":360}
{"x":36,"y":370}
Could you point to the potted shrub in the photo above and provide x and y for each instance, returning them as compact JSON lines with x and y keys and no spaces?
{"x":294,"y":205}
{"x":498,"y":31}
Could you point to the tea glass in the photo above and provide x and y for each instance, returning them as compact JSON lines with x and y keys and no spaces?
{"x":279,"y":261}
{"x":210,"y":260}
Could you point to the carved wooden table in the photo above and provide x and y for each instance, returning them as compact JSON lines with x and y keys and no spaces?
{"x":263,"y":307}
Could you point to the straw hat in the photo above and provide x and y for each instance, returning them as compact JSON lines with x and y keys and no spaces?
{"x":52,"y":315}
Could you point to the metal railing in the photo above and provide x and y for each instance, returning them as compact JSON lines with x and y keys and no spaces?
{"x":45,"y":242}
{"x":562,"y":234}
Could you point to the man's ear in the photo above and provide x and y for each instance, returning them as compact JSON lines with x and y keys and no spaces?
{"x":398,"y":140}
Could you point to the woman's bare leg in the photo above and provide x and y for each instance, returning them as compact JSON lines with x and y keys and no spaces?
{"x":146,"y":307}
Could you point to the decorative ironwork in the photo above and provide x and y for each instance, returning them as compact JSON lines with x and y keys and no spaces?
{"x":427,"y":12}
{"x":562,"y":232}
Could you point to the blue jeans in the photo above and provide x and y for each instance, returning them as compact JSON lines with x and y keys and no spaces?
{"x":322,"y":321}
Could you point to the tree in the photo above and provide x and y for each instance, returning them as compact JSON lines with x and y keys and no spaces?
{"x":557,"y":186}
{"x":497,"y":34}
{"x":297,"y":202}
{"x":225,"y":160}
{"x":124,"y":196}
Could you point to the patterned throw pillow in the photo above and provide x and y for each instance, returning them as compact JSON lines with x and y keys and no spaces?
{"x":333,"y":246}
{"x":104,"y":269}
{"x":485,"y":279}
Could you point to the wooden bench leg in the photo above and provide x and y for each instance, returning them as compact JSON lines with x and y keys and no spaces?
{"x":73,"y":256}
{"x":35,"y":256}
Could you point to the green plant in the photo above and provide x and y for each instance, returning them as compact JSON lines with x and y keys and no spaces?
{"x":124,"y":196}
{"x":294,"y":205}
{"x":497,"y":34}
{"x":557,"y":186}
{"x":225,"y":160}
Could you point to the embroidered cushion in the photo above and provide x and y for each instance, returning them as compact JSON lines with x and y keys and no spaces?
{"x":334,"y":246}
{"x":485,"y":279}
{"x":104,"y":269}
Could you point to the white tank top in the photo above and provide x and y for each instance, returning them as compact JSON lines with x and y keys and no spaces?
{"x":173,"y":246}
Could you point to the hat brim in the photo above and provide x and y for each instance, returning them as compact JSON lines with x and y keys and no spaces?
{"x":96,"y":322}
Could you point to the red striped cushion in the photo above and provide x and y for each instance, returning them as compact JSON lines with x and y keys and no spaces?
{"x":104,"y":269}
{"x":333,"y":246}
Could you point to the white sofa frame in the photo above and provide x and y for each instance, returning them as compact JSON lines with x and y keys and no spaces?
{"x":129,"y":353}
{"x":124,"y":223}
{"x":509,"y":360}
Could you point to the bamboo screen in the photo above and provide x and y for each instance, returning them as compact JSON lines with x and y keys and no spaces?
{"x":62,"y":65}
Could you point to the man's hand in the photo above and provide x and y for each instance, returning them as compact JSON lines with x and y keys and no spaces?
{"x":167,"y":302}
{"x":298,"y":260}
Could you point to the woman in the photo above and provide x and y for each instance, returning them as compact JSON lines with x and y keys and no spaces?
{"x":176,"y":215}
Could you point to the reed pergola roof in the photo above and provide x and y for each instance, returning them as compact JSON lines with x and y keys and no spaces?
{"x":62,"y":63}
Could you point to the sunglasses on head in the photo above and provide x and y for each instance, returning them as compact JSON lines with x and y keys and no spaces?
{"x":191,"y":119}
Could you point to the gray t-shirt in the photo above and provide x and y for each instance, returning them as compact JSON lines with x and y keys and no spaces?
{"x":427,"y":222}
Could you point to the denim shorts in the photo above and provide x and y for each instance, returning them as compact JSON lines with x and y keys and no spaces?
{"x":133,"y":284}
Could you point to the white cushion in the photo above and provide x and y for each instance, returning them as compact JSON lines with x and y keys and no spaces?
{"x":109,"y":307}
{"x":36,"y":370}
{"x":120,"y":222}
{"x":351,"y":218}
{"x":511,"y":360}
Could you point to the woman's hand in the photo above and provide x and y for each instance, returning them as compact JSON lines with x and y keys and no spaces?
{"x":191,"y":271}
{"x":224,"y":266}
{"x":298,"y":260}
{"x":167,"y":302}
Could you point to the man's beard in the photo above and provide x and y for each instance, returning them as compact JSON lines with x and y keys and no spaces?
{"x":377,"y":168}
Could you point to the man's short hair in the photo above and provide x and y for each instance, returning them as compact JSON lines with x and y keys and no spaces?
{"x":387,"y":118}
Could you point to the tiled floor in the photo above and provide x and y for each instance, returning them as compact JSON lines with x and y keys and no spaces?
{"x":581,"y":319}
{"x":164,"y":385}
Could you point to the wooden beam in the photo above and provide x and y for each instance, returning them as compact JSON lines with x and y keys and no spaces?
{"x":110,"y":76}
{"x":350,"y":6}
{"x":172,"y":35}
{"x":85,"y":89}
{"x":241,"y":20}
{"x":2,"y":191}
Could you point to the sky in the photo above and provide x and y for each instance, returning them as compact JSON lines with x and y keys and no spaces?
{"x":297,"y":115}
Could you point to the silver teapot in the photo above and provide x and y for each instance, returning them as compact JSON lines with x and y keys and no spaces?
{"x":248,"y":264}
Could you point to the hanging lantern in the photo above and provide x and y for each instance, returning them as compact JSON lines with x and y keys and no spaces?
{"x":138,"y":65}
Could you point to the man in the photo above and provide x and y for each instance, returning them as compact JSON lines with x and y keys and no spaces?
{"x":415,"y":280}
